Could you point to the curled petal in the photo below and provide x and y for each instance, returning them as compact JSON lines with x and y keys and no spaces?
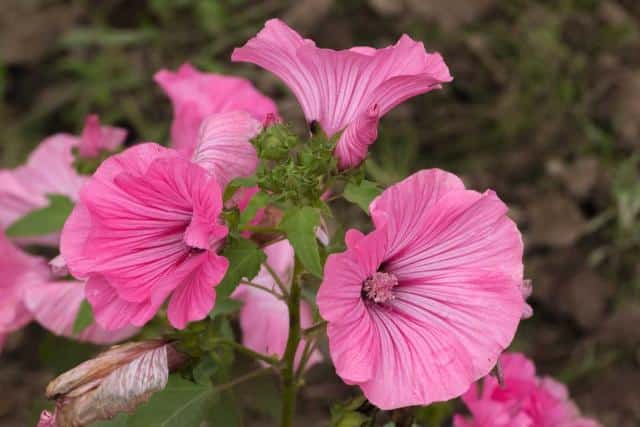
{"x":226,"y":136}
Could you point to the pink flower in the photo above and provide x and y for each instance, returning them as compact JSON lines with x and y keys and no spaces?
{"x":146,"y":227}
{"x":50,"y":170}
{"x":264,"y":319}
{"x":525,"y":400}
{"x":17,"y":269}
{"x":28,"y":292}
{"x":96,"y":138}
{"x":345,"y":91}
{"x":423,"y":306}
{"x":196,"y":95}
{"x":224,"y":146}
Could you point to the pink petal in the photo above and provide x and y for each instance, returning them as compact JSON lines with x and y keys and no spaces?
{"x":112,"y":312}
{"x":96,"y":138}
{"x":194,"y":298}
{"x":196,"y":95}
{"x":49,"y":169}
{"x":17,"y":271}
{"x":334,"y":88}
{"x":55,"y":306}
{"x":226,"y":136}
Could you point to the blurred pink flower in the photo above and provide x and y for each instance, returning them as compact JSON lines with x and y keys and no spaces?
{"x":196,"y":95}
{"x":50,"y":170}
{"x":348,"y":90}
{"x":17,"y":270}
{"x":146,"y":226}
{"x":525,"y":400}
{"x":423,"y":306}
{"x":264,"y":319}
{"x":28,"y":292}
{"x":96,"y":138}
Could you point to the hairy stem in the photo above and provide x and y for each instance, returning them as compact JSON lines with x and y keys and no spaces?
{"x":289,"y":381}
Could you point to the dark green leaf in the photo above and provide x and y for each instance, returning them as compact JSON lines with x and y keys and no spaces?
{"x":361,"y":194}
{"x":43,"y":221}
{"x":245,"y":259}
{"x":225,"y":306}
{"x":84,"y":317}
{"x":180,"y":404}
{"x":299,"y":224}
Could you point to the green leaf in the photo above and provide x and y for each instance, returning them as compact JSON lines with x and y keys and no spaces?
{"x":362,"y":194}
{"x":43,"y":221}
{"x":259,"y":200}
{"x":236,"y":184}
{"x":180,"y":404}
{"x":300,"y":225}
{"x":245,"y":258}
{"x":84,"y":317}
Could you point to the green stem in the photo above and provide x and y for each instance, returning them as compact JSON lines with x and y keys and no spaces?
{"x":277,"y":279}
{"x":317,"y":327}
{"x":262,"y":288}
{"x":289,"y":382}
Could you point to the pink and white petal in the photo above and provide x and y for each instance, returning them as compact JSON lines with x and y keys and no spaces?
{"x":112,"y":312}
{"x":225,"y":136}
{"x":353,"y":145}
{"x":339,"y":297}
{"x":196,"y":95}
{"x":420,"y":361}
{"x":403,"y":206}
{"x":50,"y":170}
{"x":463,"y":229}
{"x":194,"y":298}
{"x":73,"y":240}
{"x":16,"y":200}
{"x":479,"y":310}
{"x":55,"y":305}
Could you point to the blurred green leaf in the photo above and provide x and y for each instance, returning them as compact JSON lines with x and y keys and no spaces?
{"x":362,"y":194}
{"x":180,"y":404}
{"x":300,"y":226}
{"x":43,"y":221}
{"x":84,"y":317}
{"x":259,"y":200}
{"x":225,"y":306}
{"x":245,"y":258}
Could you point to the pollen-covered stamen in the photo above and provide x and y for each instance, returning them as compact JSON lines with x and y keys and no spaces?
{"x":378,"y":288}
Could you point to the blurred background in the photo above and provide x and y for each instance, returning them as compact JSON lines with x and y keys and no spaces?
{"x":544,"y":108}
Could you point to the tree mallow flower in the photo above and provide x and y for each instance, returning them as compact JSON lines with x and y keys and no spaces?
{"x":423,"y":305}
{"x":196,"y":95}
{"x":146,"y":227}
{"x":349,"y":90}
{"x":525,"y":400}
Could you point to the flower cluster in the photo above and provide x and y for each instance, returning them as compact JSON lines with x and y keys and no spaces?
{"x":237,"y":208}
{"x":525,"y":400}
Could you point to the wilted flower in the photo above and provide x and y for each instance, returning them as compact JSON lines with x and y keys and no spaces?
{"x":196,"y":95}
{"x":264,"y":318}
{"x":345,"y":91}
{"x":423,"y":306}
{"x":115,"y":381}
{"x":525,"y":400}
{"x":146,"y":227}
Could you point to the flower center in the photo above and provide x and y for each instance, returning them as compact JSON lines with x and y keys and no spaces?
{"x":378,"y":288}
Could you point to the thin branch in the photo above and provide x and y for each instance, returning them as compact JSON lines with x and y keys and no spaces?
{"x":246,"y":377}
{"x":314,"y":328}
{"x":277,"y":279}
{"x":253,"y":354}
{"x":262,"y":288}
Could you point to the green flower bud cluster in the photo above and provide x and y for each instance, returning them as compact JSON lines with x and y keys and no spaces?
{"x":292,"y":169}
